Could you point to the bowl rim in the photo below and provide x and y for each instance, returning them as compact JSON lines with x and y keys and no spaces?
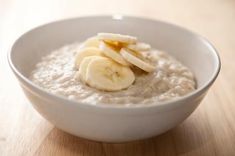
{"x":163,"y":104}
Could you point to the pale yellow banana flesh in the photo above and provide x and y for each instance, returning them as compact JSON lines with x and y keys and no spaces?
{"x":117,"y":37}
{"x":139,"y":47}
{"x":81,"y":74}
{"x":136,"y":60}
{"x":112,"y":53}
{"x":104,"y":61}
{"x":105,"y":74}
{"x":83,"y":53}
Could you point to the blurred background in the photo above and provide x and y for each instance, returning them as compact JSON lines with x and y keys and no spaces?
{"x":24,"y":132}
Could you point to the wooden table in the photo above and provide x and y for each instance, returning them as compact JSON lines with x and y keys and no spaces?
{"x":210,"y":130}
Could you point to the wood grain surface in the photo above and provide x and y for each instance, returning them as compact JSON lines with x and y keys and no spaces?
{"x":209,"y":131}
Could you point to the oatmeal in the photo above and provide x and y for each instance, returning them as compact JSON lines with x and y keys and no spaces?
{"x":56,"y":73}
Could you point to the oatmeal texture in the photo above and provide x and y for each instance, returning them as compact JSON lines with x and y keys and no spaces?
{"x":56,"y":74}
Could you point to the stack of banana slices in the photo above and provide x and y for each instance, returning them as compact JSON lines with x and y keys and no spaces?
{"x":104,"y":61}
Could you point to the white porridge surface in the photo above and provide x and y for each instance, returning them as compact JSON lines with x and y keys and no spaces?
{"x":171,"y":79}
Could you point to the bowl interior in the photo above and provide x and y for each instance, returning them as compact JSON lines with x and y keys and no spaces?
{"x":190,"y":49}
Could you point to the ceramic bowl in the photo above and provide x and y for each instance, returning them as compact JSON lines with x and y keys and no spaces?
{"x":114,"y":123}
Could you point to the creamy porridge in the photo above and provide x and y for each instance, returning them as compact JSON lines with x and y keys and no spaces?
{"x":170,"y":79}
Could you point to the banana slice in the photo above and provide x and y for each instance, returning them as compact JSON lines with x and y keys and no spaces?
{"x":117,"y":45}
{"x":136,"y":59}
{"x":117,"y":37}
{"x":91,"y":42}
{"x":139,"y":46}
{"x":82,"y":53}
{"x":81,"y":74}
{"x":105,"y":74}
{"x":112,"y":53}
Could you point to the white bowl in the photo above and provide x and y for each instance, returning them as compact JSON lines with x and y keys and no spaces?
{"x":114,"y":123}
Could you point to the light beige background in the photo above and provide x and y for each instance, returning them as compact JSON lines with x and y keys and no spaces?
{"x":209,"y":131}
